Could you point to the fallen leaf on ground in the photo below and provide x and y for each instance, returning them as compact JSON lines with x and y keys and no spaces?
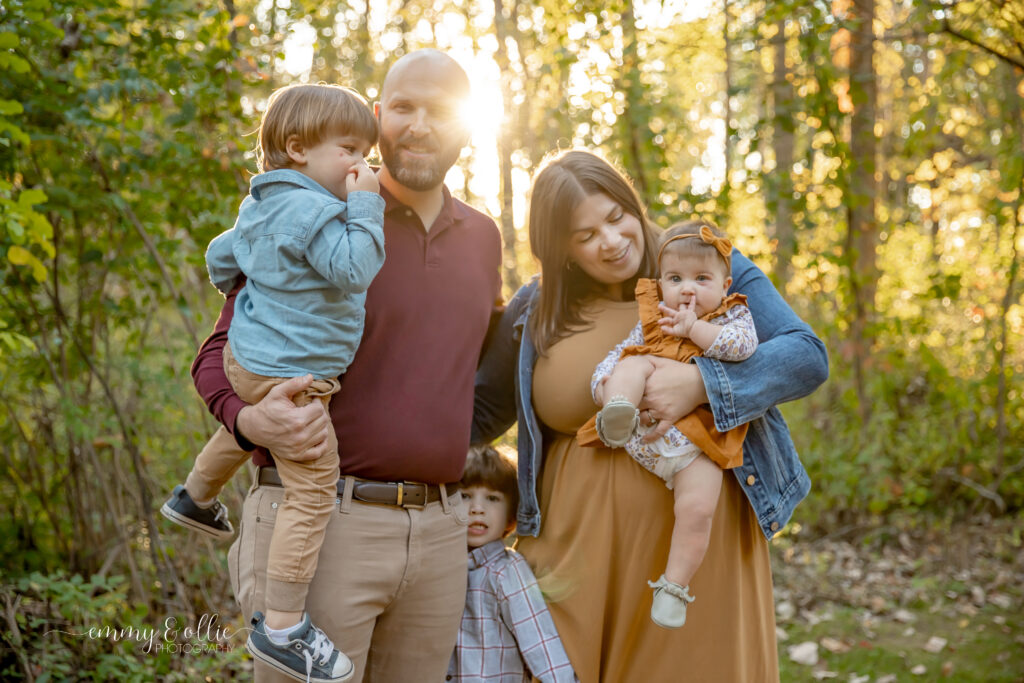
{"x":1000,"y":600}
{"x":919,"y":670}
{"x":834,"y":646}
{"x":904,"y":616}
{"x":785,"y":610}
{"x":935,"y":644}
{"x":968,"y":609}
{"x":822,"y":675}
{"x":887,"y":678}
{"x":805,"y":653}
{"x":947,"y":669}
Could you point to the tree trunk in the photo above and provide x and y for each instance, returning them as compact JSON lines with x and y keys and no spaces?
{"x":636,"y":129}
{"x":782,"y":135}
{"x":862,"y":227}
{"x":1011,"y":285}
{"x":510,"y":271}
{"x":727,"y":76}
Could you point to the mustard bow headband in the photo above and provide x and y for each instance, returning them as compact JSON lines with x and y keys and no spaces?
{"x":721,"y":244}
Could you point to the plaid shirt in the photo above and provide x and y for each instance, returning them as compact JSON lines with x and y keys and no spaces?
{"x":506,"y":632}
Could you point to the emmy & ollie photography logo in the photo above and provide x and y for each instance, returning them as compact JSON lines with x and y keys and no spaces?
{"x":175,"y":636}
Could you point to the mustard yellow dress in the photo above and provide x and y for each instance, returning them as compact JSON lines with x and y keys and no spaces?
{"x":606,"y":524}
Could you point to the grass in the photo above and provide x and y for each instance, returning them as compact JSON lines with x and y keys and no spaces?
{"x":897,"y":605}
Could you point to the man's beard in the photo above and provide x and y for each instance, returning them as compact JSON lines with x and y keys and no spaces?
{"x":419,"y":175}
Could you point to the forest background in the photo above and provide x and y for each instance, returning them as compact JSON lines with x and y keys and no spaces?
{"x":867,"y":154}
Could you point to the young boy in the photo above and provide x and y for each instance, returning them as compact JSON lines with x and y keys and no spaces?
{"x":506,"y":633}
{"x":309,"y":238}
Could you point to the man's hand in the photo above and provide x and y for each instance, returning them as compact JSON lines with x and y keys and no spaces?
{"x":673,"y":391}
{"x":283,"y":428}
{"x":361,"y":179}
{"x":678,"y":323}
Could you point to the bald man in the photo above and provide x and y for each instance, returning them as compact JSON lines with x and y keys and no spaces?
{"x":391,"y":580}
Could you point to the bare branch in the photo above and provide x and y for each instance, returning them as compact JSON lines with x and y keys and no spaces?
{"x":986,"y":493}
{"x":948,"y":28}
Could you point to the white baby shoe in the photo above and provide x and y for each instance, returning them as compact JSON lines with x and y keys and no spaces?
{"x":670,"y":600}
{"x":617,"y":421}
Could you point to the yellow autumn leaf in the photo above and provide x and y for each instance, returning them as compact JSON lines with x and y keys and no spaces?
{"x":19,"y":256}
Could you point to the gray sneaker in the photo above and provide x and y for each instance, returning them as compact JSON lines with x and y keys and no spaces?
{"x":309,"y":655}
{"x":212,"y":521}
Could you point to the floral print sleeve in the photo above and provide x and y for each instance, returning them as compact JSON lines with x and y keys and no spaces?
{"x":738,"y":338}
{"x":605,"y":367}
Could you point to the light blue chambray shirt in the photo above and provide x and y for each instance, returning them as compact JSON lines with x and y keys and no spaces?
{"x":308,"y":258}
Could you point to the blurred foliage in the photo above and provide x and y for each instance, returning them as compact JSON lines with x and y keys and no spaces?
{"x":125,"y":147}
{"x":61,"y":627}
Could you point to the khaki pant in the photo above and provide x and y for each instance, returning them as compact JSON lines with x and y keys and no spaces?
{"x":390,"y":588}
{"x":310,"y":489}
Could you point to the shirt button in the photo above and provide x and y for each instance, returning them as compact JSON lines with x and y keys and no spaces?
{"x":775,"y":526}
{"x":408,"y":213}
{"x":750,"y":480}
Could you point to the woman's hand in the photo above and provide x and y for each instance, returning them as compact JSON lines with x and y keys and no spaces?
{"x":283,"y":428}
{"x":673,"y":391}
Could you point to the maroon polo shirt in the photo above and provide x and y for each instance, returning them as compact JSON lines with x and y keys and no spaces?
{"x":406,"y":401}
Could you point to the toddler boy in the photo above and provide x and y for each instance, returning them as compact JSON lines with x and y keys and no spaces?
{"x":309,"y":238}
{"x":507,"y":633}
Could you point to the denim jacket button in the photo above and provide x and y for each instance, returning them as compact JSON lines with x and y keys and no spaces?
{"x":751,"y":480}
{"x":775,"y":526}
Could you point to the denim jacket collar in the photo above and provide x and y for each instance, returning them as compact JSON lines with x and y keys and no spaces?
{"x":263,"y":183}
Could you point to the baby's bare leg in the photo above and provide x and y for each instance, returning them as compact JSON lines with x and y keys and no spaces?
{"x":696,"y":490}
{"x":628,"y":380}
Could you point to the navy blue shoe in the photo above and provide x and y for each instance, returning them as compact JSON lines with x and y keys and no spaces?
{"x":309,"y":655}
{"x":212,"y":521}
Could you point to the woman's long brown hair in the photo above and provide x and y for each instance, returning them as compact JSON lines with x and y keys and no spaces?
{"x":563,"y":182}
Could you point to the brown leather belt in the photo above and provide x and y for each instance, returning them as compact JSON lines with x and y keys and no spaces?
{"x":407,"y":494}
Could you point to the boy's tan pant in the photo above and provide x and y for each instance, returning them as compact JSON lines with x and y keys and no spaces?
{"x":391,"y":585}
{"x":310,"y":489}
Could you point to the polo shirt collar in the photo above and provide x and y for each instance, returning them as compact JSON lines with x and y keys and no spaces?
{"x":452,"y":210}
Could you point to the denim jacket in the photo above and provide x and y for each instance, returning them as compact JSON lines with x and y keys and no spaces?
{"x":790,"y":362}
{"x":309,"y":258}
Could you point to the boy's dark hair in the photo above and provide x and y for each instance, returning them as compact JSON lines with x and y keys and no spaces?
{"x":311,"y":112}
{"x":495,"y":468}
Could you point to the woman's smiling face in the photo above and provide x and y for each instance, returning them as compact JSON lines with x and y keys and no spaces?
{"x":606,"y":242}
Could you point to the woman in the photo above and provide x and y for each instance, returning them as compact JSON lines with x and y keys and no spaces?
{"x":600,"y":528}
